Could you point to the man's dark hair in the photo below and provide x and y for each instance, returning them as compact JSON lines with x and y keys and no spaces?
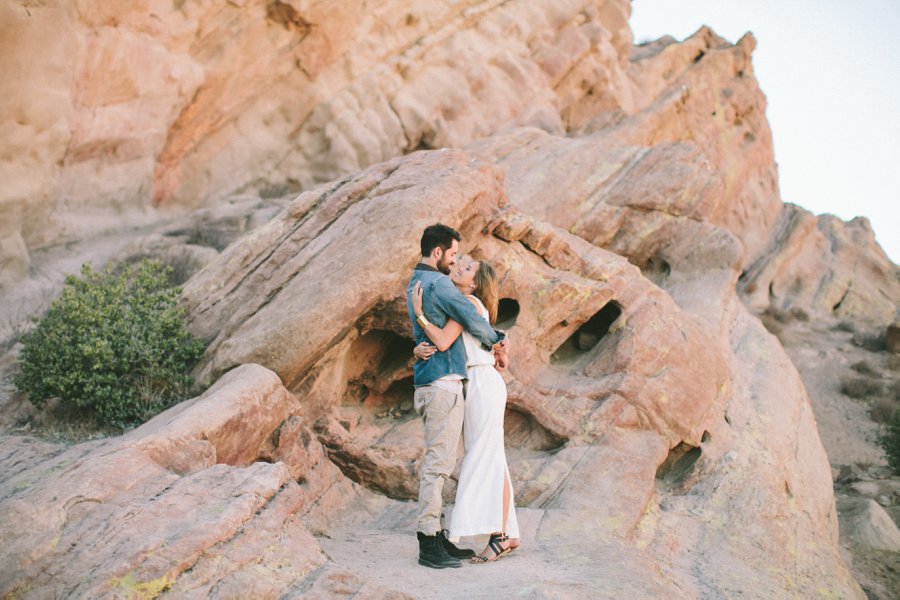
{"x":438,"y":236}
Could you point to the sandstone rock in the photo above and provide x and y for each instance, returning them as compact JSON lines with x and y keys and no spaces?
{"x":660,"y":378}
{"x":865,"y":523}
{"x":230,"y":423}
{"x":177,"y":505}
{"x":243,"y":321}
{"x":660,"y":441}
{"x":312,"y":93}
{"x":824,"y":266}
{"x":703,"y":92}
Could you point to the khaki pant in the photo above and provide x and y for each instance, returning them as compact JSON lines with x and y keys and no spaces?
{"x":443,"y":413}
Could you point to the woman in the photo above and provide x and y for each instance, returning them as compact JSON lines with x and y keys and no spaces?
{"x":484,"y":496}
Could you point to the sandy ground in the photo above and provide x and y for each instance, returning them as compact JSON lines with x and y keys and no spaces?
{"x":384,"y":552}
{"x":823,"y":355}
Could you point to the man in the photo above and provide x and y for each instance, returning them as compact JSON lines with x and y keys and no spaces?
{"x":439,"y":395}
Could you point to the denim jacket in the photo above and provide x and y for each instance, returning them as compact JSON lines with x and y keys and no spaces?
{"x":441,"y":301}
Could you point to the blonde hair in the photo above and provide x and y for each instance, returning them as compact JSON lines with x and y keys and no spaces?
{"x":487,"y":289}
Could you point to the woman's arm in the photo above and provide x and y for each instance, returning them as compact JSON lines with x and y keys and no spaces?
{"x":442,"y":338}
{"x":424,"y":351}
{"x":452,"y":303}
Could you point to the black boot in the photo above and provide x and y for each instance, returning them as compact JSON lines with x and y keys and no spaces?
{"x":432,"y":553}
{"x":451,"y":549}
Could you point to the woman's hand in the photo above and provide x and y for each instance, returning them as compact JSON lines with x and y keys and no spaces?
{"x":501,"y":354}
{"x":417,"y":298}
{"x":424,"y":351}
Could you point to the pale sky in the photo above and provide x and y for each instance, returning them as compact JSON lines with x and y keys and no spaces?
{"x":830,"y":70}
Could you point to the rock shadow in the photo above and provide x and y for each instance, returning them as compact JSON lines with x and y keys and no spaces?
{"x":507,"y":313}
{"x":522,"y":431}
{"x":587,"y":337}
{"x":378,"y":374}
{"x":675,"y":470}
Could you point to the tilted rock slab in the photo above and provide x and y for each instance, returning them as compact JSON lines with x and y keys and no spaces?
{"x":641,"y":417}
{"x":189,"y":503}
{"x":684,"y":416}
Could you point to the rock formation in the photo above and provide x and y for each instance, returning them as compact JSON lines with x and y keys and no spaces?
{"x":661,"y":441}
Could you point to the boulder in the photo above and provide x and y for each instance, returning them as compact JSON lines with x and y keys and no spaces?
{"x":180,"y":504}
{"x":658,"y":427}
{"x":865,"y":523}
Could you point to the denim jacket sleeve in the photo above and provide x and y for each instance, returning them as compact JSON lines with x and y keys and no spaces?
{"x":447,"y":298}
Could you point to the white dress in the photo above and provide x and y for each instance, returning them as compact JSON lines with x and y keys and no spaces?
{"x":479,"y":495}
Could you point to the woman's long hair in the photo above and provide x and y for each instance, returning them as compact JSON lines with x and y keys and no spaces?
{"x":486,"y":288}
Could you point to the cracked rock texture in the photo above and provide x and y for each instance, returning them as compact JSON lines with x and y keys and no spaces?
{"x":286,"y":155}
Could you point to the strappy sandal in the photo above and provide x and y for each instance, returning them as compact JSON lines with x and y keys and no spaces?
{"x":496,"y":548}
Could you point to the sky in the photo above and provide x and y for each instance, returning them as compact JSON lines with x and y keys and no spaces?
{"x":830,"y":70}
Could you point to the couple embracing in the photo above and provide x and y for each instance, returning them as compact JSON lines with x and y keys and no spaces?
{"x":460,"y":391}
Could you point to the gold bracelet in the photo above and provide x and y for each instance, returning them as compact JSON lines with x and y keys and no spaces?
{"x":423,"y":321}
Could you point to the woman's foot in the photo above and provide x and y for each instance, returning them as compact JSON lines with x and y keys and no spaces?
{"x":497,"y":546}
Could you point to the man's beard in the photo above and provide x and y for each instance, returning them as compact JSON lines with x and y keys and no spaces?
{"x":443,"y":265}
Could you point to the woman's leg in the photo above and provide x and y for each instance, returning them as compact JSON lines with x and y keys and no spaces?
{"x":507,"y":489}
{"x":499,"y":543}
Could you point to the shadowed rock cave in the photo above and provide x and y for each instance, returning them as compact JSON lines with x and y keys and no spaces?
{"x":378,"y":373}
{"x":678,"y":465}
{"x":507,"y":313}
{"x":522,"y":431}
{"x":588,"y":335}
{"x":656,"y":270}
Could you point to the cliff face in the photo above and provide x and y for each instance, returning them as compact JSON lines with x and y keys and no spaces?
{"x":626,"y":195}
{"x":117,"y":106}
{"x":178,"y":104}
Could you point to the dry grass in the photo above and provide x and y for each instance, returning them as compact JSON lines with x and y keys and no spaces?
{"x":782,"y":316}
{"x":861,"y":387}
{"x":864,"y":368}
{"x":847,"y":326}
{"x":893,"y":362}
{"x":871,"y":341}
{"x":883,"y":410}
{"x":57,"y":423}
{"x":774,"y":326}
{"x":800,"y":314}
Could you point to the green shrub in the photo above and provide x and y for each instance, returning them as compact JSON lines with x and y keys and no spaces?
{"x":112,"y":348}
{"x":889,"y":440}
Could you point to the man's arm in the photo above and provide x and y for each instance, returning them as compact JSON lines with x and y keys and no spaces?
{"x":447,"y":298}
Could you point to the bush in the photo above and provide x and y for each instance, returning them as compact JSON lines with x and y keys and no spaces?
{"x":883,"y":410}
{"x":889,"y":440}
{"x":847,"y":326}
{"x":873,"y":342}
{"x":800,"y":314}
{"x":860,"y":387}
{"x":112,"y":348}
{"x":893,"y":362}
{"x":864,"y":368}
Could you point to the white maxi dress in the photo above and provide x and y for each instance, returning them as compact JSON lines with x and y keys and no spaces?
{"x":479,"y":494}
